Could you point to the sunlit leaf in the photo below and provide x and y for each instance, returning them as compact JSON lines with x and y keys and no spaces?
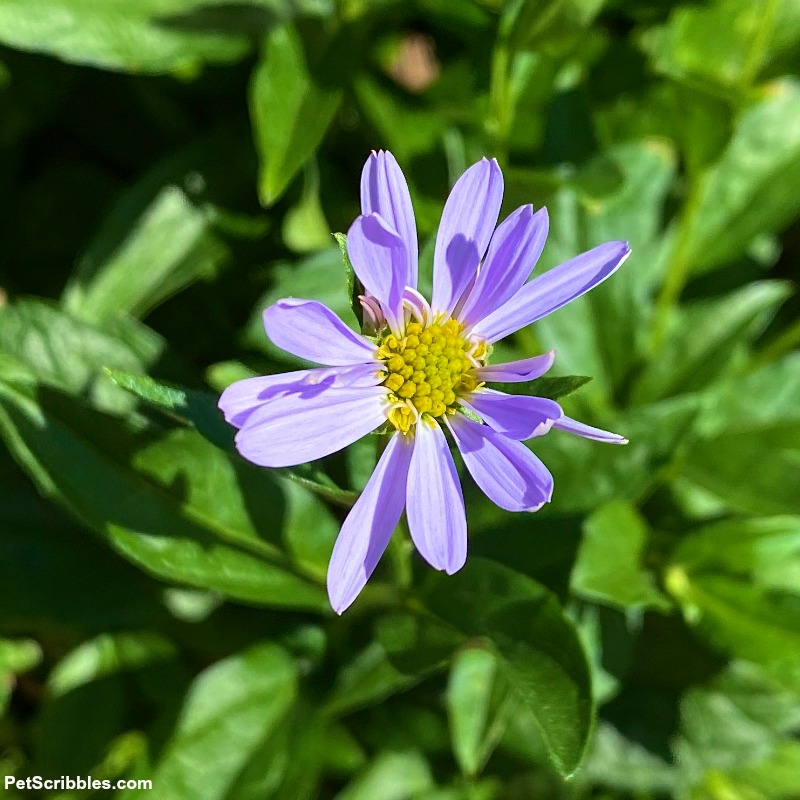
{"x":291,"y":111}
{"x":537,"y":648}
{"x":173,"y":504}
{"x":750,"y":190}
{"x":609,"y":566}
{"x":393,"y":776}
{"x":200,"y":410}
{"x":229,"y":712}
{"x":749,"y":468}
{"x":476,"y":724}
{"x":169,"y":247}
{"x":107,"y":655}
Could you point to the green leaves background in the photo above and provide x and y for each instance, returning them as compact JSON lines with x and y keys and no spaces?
{"x":170,"y":167}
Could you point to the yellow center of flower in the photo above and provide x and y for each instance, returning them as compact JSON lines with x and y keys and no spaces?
{"x":427,"y":369}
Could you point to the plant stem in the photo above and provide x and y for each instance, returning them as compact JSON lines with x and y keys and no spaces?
{"x":678,"y":270}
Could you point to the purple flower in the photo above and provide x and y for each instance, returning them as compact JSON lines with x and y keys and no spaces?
{"x":425,"y":369}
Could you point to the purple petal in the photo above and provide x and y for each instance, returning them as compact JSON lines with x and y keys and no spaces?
{"x":509,"y":474}
{"x":517,"y":371}
{"x":434,"y":503}
{"x":306,"y":425}
{"x":242,"y":398}
{"x":378,"y":256}
{"x":369,"y":525}
{"x":310,"y":330}
{"x":588,"y":432}
{"x":384,"y":191}
{"x":468,"y":220}
{"x":514,"y":415}
{"x":554,"y":289}
{"x":513,"y":252}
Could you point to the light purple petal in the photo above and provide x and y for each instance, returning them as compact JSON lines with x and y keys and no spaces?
{"x":303,"y":426}
{"x":554,"y":289}
{"x":242,"y":398}
{"x":510,"y":475}
{"x":434,"y":503}
{"x":468,"y":221}
{"x":384,"y":191}
{"x":513,"y":252}
{"x":310,"y":330}
{"x":588,"y":432}
{"x":514,"y":415}
{"x":378,"y":256}
{"x":369,"y":525}
{"x":517,"y":371}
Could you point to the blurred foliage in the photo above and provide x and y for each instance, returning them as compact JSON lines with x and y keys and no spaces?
{"x":169,"y":167}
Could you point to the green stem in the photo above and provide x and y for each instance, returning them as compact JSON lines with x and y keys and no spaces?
{"x":334,"y":495}
{"x":400,"y":552}
{"x":499,"y":103}
{"x":678,"y":270}
{"x":760,"y":43}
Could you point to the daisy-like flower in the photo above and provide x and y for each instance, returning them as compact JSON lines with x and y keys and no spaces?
{"x":424,"y":370}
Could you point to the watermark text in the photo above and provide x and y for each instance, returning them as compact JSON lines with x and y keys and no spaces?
{"x":64,"y":783}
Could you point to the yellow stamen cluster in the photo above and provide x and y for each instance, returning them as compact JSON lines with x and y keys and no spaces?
{"x":427,"y":369}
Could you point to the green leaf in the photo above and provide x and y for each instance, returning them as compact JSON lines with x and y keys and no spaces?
{"x":619,"y":763}
{"x":417,"y":646}
{"x":725,"y":45}
{"x":525,"y":23}
{"x":749,"y":192}
{"x":715,"y":733}
{"x":775,"y":778}
{"x":765,"y":551}
{"x":603,"y":333}
{"x":765,"y":395}
{"x":231,"y":709}
{"x":107,"y":655}
{"x":391,"y":776}
{"x":102,"y":704}
{"x":171,"y":503}
{"x":200,"y":410}
{"x":552,"y":388}
{"x":735,"y":722}
{"x":736,"y":617}
{"x":291,"y":110}
{"x":609,"y":567}
{"x":699,"y":123}
{"x":295,"y":759}
{"x":749,"y":468}
{"x":171,"y":245}
{"x":538,"y":651}
{"x":310,"y":527}
{"x":150,"y":36}
{"x":370,"y":678}
{"x":476,"y":724}
{"x":765,"y":696}
{"x":319,"y":277}
{"x":354,"y":287}
{"x":706,"y":337}
{"x":593,"y":626}
{"x":408,"y":129}
{"x":197,"y":408}
{"x":305,"y":228}
{"x":58,"y":350}
{"x":589,"y":474}
{"x":19,"y":655}
{"x":16,"y":657}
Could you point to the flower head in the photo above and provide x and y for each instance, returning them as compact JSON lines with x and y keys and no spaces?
{"x":423,"y":372}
